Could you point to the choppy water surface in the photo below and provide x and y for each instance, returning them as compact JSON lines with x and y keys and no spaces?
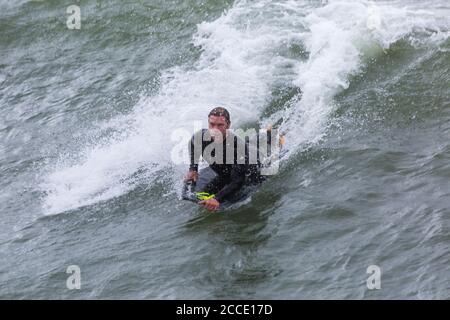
{"x":88,"y":178}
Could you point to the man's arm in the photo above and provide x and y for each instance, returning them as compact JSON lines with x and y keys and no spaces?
{"x":195,"y":147}
{"x":195,"y":150}
{"x":237,"y":180}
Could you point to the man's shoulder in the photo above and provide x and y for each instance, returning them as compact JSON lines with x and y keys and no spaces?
{"x":199,"y":133}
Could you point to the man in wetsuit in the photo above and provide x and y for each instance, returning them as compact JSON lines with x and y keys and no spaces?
{"x":212,"y":144}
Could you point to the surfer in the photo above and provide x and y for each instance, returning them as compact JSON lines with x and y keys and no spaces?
{"x":226,"y":173}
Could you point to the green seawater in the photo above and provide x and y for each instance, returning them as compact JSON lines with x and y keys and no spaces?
{"x":87,"y":177}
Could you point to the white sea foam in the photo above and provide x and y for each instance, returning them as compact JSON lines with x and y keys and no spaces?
{"x":242,"y":59}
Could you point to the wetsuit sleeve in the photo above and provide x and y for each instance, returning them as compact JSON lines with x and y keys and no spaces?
{"x":237,"y":180}
{"x":195,"y":150}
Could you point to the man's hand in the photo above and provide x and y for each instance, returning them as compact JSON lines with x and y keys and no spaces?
{"x":210,"y":204}
{"x":191,"y":176}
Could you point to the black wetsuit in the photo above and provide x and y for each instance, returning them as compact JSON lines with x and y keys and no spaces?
{"x":231,"y":174}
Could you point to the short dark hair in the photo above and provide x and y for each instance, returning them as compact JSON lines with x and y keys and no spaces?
{"x":220,"y":112}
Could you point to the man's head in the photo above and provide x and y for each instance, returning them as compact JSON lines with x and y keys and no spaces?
{"x":218,"y":123}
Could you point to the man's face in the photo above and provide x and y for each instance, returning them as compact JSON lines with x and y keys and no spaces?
{"x":218,"y":127}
